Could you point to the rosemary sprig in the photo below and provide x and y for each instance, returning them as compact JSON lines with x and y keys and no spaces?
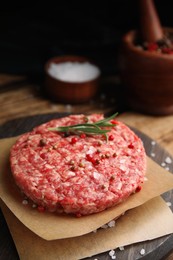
{"x":99,"y":127}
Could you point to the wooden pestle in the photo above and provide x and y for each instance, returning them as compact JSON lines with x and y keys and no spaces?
{"x":150,"y":26}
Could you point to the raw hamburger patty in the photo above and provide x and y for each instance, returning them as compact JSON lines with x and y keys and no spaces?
{"x":78,"y":174}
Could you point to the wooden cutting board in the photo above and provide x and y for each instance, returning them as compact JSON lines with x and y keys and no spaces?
{"x":155,"y":249}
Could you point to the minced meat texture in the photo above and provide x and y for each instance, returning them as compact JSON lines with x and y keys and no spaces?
{"x":78,"y":174}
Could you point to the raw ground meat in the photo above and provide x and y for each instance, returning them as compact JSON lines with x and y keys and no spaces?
{"x":78,"y":174}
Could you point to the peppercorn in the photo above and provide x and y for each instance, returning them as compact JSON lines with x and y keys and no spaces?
{"x":131,"y":146}
{"x":138,"y":189}
{"x":43,"y":142}
{"x":112,"y":178}
{"x":114,"y":155}
{"x":111,"y":137}
{"x":74,"y":140}
{"x":82,"y":135}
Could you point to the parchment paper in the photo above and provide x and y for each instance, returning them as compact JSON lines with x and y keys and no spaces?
{"x":148,"y":221}
{"x":52,"y":226}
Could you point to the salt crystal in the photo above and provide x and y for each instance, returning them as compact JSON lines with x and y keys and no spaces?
{"x":145,"y":179}
{"x":142,"y":252}
{"x":167,"y":168}
{"x":169,"y":204}
{"x":163,"y":164}
{"x":74,"y":71}
{"x":112,"y":252}
{"x":24,"y":202}
{"x":153,"y":142}
{"x":168,"y":160}
{"x":111,"y":223}
{"x":104,"y":226}
{"x":121,"y":248}
{"x":153,"y":154}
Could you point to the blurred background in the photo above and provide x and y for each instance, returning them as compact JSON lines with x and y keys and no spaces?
{"x":32,"y":34}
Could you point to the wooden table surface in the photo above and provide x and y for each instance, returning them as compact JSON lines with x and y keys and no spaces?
{"x":21,"y":97}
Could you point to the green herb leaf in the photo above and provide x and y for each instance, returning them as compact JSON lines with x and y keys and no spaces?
{"x":105,"y":120}
{"x":99,"y":127}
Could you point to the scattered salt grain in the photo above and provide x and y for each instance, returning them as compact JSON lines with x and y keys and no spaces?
{"x":145,"y":179}
{"x":121,"y":248}
{"x":112,"y":254}
{"x":168,"y":160}
{"x":169,"y":204}
{"x":111,"y":223}
{"x":24,"y":202}
{"x":74,"y":71}
{"x":104,"y":226}
{"x":142,"y":252}
{"x":153,"y":154}
{"x":163,"y":164}
{"x":167,"y":168}
{"x":153,"y":143}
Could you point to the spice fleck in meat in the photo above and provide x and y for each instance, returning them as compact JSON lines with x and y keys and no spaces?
{"x":78,"y":174}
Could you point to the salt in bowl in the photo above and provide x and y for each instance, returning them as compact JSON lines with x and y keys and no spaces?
{"x":71,"y":79}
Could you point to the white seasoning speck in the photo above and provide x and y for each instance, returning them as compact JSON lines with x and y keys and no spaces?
{"x":168,"y":160}
{"x":113,"y":257}
{"x":104,"y":226}
{"x":34,"y":206}
{"x":153,"y":154}
{"x":24,"y":202}
{"x":142,"y":252}
{"x":111,"y":223}
{"x":163,"y":164}
{"x":167,"y":168}
{"x":112,"y":252}
{"x":145,"y":179}
{"x":153,"y":143}
{"x":121,"y":248}
{"x":169,"y":204}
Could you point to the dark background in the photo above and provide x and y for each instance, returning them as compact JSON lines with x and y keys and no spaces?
{"x":30,"y":35}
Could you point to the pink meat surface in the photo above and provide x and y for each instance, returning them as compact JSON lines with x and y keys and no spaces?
{"x":78,"y":174}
